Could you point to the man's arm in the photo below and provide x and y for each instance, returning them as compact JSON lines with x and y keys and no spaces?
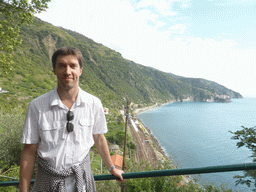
{"x":27,"y":164}
{"x":102,"y":147}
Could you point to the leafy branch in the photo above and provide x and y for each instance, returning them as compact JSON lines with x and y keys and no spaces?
{"x":247,"y":138}
{"x":13,"y":14}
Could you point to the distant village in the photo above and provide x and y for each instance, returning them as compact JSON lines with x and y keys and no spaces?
{"x":219,"y":98}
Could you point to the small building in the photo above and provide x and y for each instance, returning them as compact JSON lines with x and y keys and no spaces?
{"x":180,"y":184}
{"x":114,"y":148}
{"x":117,"y":161}
{"x":106,"y":111}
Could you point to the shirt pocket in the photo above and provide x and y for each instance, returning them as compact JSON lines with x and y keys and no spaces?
{"x":84,"y":131}
{"x":51,"y":133}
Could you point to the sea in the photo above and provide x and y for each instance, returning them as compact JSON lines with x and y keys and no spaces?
{"x":197,"y":134}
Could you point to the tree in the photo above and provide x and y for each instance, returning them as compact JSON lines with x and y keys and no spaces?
{"x":14,"y":13}
{"x":247,"y":138}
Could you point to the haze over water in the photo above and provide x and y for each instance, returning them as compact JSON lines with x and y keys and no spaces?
{"x":196,"y":134}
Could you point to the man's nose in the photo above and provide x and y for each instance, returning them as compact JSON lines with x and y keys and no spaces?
{"x":68,"y":70}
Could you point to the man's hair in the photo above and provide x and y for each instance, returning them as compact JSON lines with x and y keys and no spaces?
{"x":67,"y":51}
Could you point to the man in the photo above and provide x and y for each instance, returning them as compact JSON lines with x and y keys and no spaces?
{"x":60,"y":127}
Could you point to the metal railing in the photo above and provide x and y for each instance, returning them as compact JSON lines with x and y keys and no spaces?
{"x":167,"y":172}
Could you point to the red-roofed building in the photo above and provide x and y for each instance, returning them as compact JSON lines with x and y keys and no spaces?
{"x":117,"y":161}
{"x":180,"y":184}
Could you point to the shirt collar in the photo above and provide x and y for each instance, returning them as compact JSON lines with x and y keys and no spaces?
{"x":80,"y":98}
{"x":55,"y":99}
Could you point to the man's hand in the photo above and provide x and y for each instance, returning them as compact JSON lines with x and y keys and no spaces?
{"x":118,"y":173}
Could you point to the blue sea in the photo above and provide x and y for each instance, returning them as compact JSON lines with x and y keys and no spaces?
{"x":196,"y":134}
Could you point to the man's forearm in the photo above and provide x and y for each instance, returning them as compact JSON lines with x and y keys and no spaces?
{"x":27,"y":164}
{"x":102,"y":148}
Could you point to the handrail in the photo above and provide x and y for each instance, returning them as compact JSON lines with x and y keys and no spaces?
{"x":167,"y":172}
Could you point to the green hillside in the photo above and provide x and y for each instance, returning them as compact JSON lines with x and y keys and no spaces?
{"x":106,"y":73}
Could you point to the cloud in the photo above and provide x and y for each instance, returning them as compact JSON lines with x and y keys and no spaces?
{"x":178,"y":29}
{"x":163,"y":8}
{"x":244,"y":1}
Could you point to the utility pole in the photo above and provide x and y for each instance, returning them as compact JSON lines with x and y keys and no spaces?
{"x":125,"y":136}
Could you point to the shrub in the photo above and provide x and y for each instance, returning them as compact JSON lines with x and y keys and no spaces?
{"x":11,"y":127}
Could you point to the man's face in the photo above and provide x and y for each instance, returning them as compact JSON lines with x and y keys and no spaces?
{"x":68,"y":71}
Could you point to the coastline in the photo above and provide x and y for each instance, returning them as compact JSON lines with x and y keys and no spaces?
{"x":158,"y":148}
{"x":160,"y":152}
{"x":153,"y":107}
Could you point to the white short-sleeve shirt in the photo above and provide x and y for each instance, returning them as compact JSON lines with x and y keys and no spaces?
{"x":45,"y":124}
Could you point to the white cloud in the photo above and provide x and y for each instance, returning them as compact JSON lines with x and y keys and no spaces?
{"x":178,"y":29}
{"x":162,"y":7}
{"x":244,"y":1}
{"x":146,"y":15}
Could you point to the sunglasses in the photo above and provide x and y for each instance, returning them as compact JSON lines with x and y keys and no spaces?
{"x":70,"y":117}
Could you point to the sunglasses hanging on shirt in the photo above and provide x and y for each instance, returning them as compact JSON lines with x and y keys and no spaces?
{"x":70,"y":117}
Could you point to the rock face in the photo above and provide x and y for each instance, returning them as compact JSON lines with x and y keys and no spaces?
{"x":50,"y":43}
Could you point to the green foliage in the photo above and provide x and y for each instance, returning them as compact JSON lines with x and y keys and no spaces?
{"x":212,"y":188}
{"x":116,"y":133}
{"x":12,"y":15}
{"x":151,"y":183}
{"x":247,"y":138}
{"x":11,"y":174}
{"x":11,"y":126}
{"x":165,"y":184}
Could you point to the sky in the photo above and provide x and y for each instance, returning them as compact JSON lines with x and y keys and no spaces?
{"x":209,"y":39}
